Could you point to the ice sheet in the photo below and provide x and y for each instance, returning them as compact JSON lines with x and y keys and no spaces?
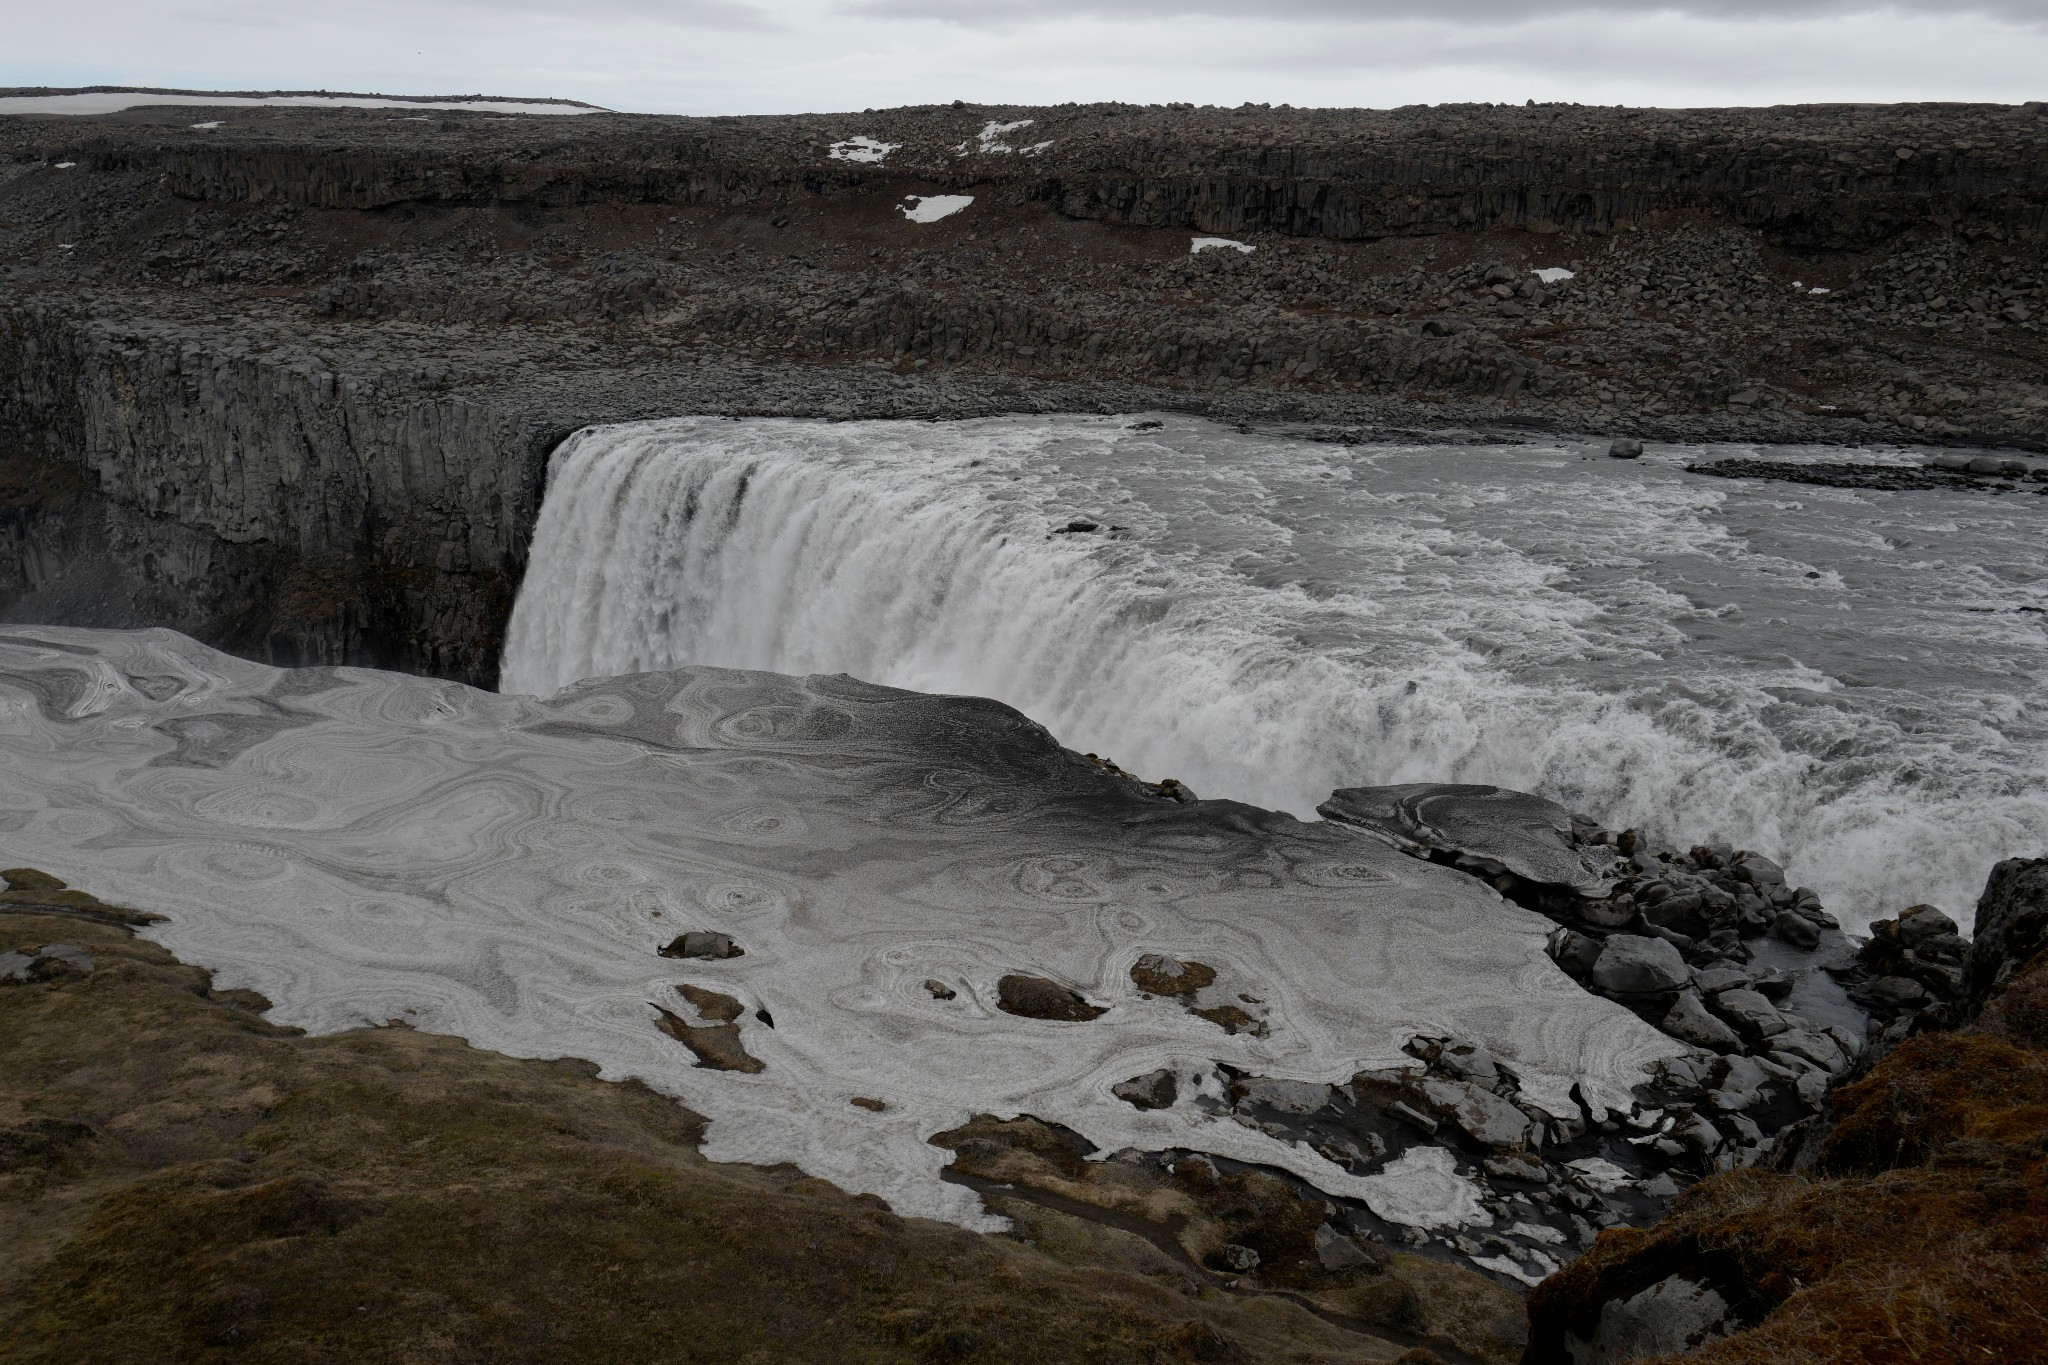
{"x":112,"y":102}
{"x":363,"y":846}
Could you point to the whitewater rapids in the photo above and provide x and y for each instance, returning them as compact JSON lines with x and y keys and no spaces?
{"x":1853,"y":682}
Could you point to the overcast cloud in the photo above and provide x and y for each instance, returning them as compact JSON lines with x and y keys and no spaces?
{"x":1442,"y":11}
{"x":732,"y":56}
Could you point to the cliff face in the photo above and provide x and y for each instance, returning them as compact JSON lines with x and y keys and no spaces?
{"x":1821,"y":176}
{"x":303,"y":515}
{"x":289,"y":382}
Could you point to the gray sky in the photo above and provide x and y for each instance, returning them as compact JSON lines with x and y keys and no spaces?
{"x":763,"y":56}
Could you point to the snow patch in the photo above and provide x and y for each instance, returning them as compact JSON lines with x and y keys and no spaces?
{"x":865,"y":149}
{"x":215,"y":124}
{"x":114,"y":101}
{"x":929,"y":208}
{"x":1551,"y":274}
{"x":991,"y":138}
{"x":1202,"y":244}
{"x":66,"y":165}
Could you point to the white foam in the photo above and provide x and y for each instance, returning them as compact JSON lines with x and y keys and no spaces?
{"x":867,"y":149}
{"x":363,"y":846}
{"x":113,"y":102}
{"x":930,"y":208}
{"x":1201,"y":244}
{"x":1422,"y":1188}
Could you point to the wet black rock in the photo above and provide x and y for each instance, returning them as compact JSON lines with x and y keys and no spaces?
{"x":1889,"y":478}
{"x":1484,"y":830}
{"x":1038,"y":997}
{"x":700,"y":943}
{"x":1631,"y":964}
{"x":1153,"y":1090}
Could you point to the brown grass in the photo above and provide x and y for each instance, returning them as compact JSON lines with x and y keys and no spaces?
{"x":181,"y":1181}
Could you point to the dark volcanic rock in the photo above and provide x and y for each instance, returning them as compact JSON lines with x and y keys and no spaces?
{"x":1924,"y":1183}
{"x":1519,"y":833}
{"x":1153,"y":1090}
{"x":1036,"y":997}
{"x":703,"y":943}
{"x":1892,"y":478}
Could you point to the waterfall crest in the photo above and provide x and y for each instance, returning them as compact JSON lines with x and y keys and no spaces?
{"x":1183,"y":604}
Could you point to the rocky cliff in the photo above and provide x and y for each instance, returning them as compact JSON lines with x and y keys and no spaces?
{"x":298,"y":370}
{"x":1908,"y":1230}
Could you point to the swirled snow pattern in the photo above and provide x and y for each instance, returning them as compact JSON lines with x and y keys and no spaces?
{"x":364,"y":846}
{"x":1851,"y":681}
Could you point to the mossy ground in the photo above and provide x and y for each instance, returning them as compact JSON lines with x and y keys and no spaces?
{"x":182,"y":1181}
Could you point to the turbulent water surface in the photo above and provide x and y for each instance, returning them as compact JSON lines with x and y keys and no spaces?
{"x":1852,"y":681}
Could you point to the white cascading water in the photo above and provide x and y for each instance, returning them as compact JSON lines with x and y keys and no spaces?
{"x":1784,"y":668}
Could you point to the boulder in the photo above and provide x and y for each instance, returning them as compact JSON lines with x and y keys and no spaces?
{"x":1919,"y":923}
{"x":1690,"y":1021}
{"x":1289,"y":1097}
{"x":1625,"y":449}
{"x":1337,"y":1253}
{"x":1485,"y":1117}
{"x":1523,"y":834}
{"x":1889,"y":993}
{"x":1709,"y":980}
{"x":1741,"y":1084}
{"x":1630,"y":964}
{"x":1795,"y":929}
{"x":1037,"y":997}
{"x":717,"y":1046}
{"x":2012,"y":923}
{"x":1153,"y":1090}
{"x":1159,"y":974}
{"x":1752,"y":1016}
{"x":58,"y":960}
{"x":1573,"y":951}
{"x":701,"y":943}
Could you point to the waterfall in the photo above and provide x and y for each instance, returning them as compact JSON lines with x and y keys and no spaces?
{"x":1216,"y":626}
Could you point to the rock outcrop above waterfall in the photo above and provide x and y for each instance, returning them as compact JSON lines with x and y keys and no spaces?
{"x":301,"y":370}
